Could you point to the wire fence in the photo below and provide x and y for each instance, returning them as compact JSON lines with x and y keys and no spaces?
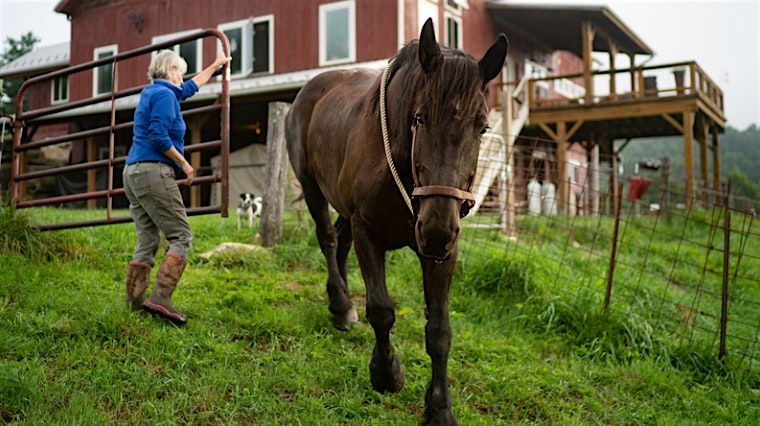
{"x":694,"y":265}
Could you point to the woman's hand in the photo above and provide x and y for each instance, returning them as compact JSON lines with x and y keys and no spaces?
{"x":202,"y":77}
{"x":189,"y":172}
{"x":221,"y":61}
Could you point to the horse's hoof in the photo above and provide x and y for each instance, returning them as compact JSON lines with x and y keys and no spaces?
{"x":387,"y":379}
{"x":343,"y":321}
{"x":442,"y":417}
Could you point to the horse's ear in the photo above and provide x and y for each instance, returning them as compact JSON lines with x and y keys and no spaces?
{"x":429,"y":52}
{"x":493,"y":60}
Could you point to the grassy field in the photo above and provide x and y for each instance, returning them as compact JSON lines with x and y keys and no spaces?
{"x":260,"y":347}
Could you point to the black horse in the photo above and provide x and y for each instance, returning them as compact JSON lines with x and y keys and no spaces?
{"x":436,"y":111}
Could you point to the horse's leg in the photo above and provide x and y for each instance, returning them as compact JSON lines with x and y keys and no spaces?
{"x":341,"y":306}
{"x":386,"y":372}
{"x":343,"y":226}
{"x":436,"y":279}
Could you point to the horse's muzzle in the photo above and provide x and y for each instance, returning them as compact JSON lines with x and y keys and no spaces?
{"x":437,"y":227}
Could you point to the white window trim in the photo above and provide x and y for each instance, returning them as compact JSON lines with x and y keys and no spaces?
{"x":198,"y":46}
{"x":53,"y":101}
{"x":270,"y":19}
{"x":457,"y":11}
{"x":114,"y":48}
{"x":323,"y":9}
{"x":458,"y":19}
{"x":246,"y":26}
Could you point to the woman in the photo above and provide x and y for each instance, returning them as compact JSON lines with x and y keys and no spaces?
{"x":155,"y":202}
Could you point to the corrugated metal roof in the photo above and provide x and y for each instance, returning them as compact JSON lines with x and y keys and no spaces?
{"x":39,"y":59}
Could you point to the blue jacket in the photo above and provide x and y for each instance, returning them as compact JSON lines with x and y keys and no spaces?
{"x":158,"y":121}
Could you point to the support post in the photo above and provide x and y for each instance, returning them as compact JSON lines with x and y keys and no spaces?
{"x":632,"y":59}
{"x":613,"y":83}
{"x":702,"y":139}
{"x":507,"y":190}
{"x":91,"y":177}
{"x":276,"y":175}
{"x":664,"y":186}
{"x":716,"y":160}
{"x":587,"y":39}
{"x":688,"y":136}
{"x":563,"y":185}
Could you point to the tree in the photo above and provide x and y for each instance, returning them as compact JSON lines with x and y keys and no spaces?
{"x":742,"y":185}
{"x":14,"y":49}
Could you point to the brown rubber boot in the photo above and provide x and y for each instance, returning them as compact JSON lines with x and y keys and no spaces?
{"x":167,"y":277}
{"x":138,"y":276}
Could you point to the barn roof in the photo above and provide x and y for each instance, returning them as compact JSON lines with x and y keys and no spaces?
{"x":37,"y":61}
{"x":559,"y":26}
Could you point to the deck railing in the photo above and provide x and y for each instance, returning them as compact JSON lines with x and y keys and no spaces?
{"x":667,"y":80}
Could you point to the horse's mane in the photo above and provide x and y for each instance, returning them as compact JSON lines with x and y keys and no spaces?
{"x":457,"y":79}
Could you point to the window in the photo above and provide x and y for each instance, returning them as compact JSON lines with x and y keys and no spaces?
{"x":191,"y":51}
{"x":251,"y":45}
{"x":102,"y":77}
{"x":427,"y":9}
{"x":263,"y":44}
{"x":337,"y":33}
{"x":59,"y":90}
{"x":453,"y":31}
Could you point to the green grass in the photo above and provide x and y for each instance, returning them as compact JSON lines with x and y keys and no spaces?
{"x":531,"y":343}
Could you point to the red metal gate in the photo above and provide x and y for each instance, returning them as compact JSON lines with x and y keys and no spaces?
{"x":24,"y":119}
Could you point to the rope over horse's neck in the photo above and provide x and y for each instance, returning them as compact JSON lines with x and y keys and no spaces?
{"x":419,"y":191}
{"x":386,"y":138}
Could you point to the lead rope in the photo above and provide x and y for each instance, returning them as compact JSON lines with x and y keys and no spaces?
{"x":386,"y":139}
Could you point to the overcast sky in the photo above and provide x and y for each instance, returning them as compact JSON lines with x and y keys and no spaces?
{"x":721,"y":35}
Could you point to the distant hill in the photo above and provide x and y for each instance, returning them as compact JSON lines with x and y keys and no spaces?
{"x":738,"y":150}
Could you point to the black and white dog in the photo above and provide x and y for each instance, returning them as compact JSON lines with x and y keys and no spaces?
{"x":249,"y":208}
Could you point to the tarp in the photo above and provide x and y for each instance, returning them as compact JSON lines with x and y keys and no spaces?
{"x":247,"y":173}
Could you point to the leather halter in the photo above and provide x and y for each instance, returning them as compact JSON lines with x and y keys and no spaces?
{"x":468,"y":200}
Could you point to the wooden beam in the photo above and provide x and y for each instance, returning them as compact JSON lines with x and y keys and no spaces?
{"x":632,"y":59}
{"x":701,"y":135}
{"x":650,"y":107}
{"x":276,"y":176}
{"x":673,"y":122}
{"x":587,"y":40}
{"x":548,"y":131}
{"x":574,"y":129}
{"x":91,"y":177}
{"x":563,"y":182}
{"x":613,"y":83}
{"x":688,"y":136}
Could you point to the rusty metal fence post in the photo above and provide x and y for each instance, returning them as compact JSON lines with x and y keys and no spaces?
{"x":726,"y":266}
{"x":613,"y":252}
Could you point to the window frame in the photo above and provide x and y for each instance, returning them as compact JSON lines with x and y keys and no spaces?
{"x":460,"y":34}
{"x":258,"y":19}
{"x":198,"y":47}
{"x":53,"y":100}
{"x":324,"y":9}
{"x":114,"y":49}
{"x":247,"y":37}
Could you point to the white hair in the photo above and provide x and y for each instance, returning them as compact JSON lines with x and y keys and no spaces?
{"x":162,"y":62}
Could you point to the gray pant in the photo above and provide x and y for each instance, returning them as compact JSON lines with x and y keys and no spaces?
{"x":155,"y":203}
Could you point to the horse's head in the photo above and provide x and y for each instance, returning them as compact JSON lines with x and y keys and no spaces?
{"x":449,"y":116}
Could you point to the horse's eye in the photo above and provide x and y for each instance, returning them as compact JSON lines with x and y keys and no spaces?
{"x":484,"y":130}
{"x":419,"y":121}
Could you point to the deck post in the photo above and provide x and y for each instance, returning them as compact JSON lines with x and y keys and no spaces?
{"x":716,"y":162}
{"x":587,"y":38}
{"x":613,"y":84}
{"x":701,"y":136}
{"x":562,"y":181}
{"x":688,"y":136}
{"x":632,"y":59}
